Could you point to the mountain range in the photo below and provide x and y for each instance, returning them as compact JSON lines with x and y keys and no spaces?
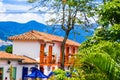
{"x":9,"y":28}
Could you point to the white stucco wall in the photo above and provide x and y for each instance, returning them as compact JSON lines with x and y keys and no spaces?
{"x":55,"y":48}
{"x":6,"y":66}
{"x":28,"y":48}
{"x":32,"y":49}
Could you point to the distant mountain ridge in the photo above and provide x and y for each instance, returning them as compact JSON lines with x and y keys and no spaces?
{"x":13,"y":28}
{"x":9,"y":28}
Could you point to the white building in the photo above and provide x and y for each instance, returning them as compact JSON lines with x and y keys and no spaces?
{"x":45,"y":48}
{"x":20,"y":66}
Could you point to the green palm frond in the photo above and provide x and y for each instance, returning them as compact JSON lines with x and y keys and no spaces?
{"x":100,"y":59}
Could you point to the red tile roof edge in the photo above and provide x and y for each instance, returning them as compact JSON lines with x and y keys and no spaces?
{"x":23,"y":59}
{"x":36,"y":35}
{"x":28,"y":60}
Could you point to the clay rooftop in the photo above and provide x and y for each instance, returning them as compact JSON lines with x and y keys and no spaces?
{"x":23,"y":59}
{"x":36,"y":35}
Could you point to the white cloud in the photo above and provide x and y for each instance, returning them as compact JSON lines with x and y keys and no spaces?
{"x":2,"y":9}
{"x":22,"y":18}
{"x":6,"y":14}
{"x":17,"y":7}
{"x":48,"y":16}
{"x":5,"y":43}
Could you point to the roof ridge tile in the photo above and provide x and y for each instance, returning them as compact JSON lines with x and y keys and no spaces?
{"x":36,"y":35}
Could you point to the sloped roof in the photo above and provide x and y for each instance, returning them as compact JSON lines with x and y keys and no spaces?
{"x":32,"y":35}
{"x":35,"y":35}
{"x":9,"y":56}
{"x":28,"y":60}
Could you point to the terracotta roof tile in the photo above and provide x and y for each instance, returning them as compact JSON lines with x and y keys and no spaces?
{"x":9,"y":56}
{"x":29,"y":36}
{"x":4,"y":56}
{"x":28,"y":60}
{"x":35,"y":35}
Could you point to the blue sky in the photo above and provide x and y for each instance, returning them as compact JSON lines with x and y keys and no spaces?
{"x":19,"y":11}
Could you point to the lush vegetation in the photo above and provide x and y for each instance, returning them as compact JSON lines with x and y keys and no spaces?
{"x":99,"y":57}
{"x":109,"y":13}
{"x":8,"y":49}
{"x":100,"y":60}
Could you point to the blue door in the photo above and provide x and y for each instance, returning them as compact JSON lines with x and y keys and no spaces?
{"x":24,"y":72}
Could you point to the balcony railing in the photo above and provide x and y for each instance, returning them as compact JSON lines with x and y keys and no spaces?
{"x":56,"y":60}
{"x":46,"y":60}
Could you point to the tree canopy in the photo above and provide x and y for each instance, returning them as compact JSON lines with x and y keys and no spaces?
{"x":109,"y":13}
{"x":99,"y":56}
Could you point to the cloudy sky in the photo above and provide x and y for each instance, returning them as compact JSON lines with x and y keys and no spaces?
{"x":19,"y":11}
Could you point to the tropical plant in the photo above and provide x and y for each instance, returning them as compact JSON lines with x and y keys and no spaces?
{"x":109,"y":34}
{"x":99,"y":56}
{"x":100,"y":61}
{"x":60,"y":74}
{"x":109,"y":13}
{"x":115,"y":32}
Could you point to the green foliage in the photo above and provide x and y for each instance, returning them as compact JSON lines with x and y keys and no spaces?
{"x":110,"y":34}
{"x":115,"y":33}
{"x":58,"y":75}
{"x":61,"y":75}
{"x":101,"y":60}
{"x":99,"y":56}
{"x":109,"y":13}
{"x":8,"y":49}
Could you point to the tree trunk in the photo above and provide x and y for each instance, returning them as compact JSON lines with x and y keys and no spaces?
{"x":63,"y":49}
